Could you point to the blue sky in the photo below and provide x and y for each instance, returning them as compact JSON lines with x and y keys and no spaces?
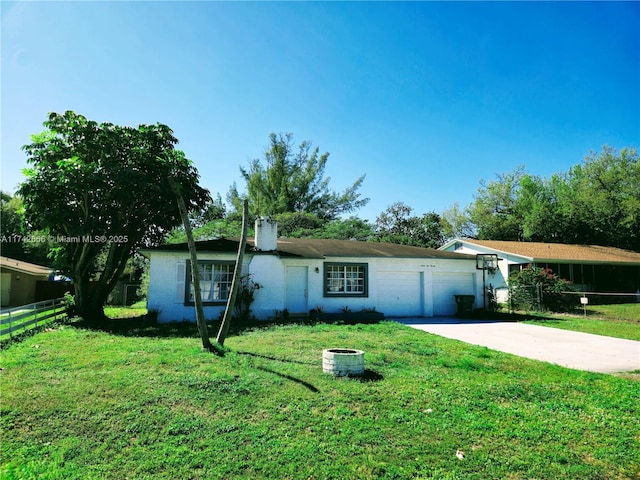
{"x":425,"y":98}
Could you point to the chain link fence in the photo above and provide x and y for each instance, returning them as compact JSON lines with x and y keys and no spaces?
{"x":533,"y":298}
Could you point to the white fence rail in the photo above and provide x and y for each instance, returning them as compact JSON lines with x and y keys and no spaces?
{"x":19,"y":318}
{"x":605,"y":298}
{"x":533,"y":297}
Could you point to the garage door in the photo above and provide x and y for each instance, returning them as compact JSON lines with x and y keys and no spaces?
{"x":445,"y":286}
{"x":400,"y":293}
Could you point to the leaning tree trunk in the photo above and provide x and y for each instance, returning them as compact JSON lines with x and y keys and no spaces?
{"x":195,"y":271}
{"x":237,"y":276}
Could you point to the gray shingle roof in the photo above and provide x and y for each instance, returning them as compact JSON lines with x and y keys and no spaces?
{"x":321,"y":248}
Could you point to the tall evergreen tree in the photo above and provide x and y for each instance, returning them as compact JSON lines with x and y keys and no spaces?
{"x":292,"y":180}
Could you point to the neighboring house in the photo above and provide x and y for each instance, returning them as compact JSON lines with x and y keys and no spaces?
{"x":304,"y":274}
{"x":19,"y":279}
{"x":591,"y":268}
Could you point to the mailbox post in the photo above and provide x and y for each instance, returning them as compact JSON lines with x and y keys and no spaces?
{"x":584,"y":301}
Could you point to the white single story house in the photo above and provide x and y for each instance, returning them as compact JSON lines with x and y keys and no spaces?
{"x":298,"y":275}
{"x":591,"y":268}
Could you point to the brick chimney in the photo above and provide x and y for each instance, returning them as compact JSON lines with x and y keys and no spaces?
{"x":266,"y":234}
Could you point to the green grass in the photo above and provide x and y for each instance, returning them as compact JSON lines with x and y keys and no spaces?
{"x":625,"y":311}
{"x":148,"y":403}
{"x":621,"y":321}
{"x":136,"y":310}
{"x":7,"y":337}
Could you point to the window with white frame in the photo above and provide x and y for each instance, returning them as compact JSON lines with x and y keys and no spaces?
{"x":215,"y":281}
{"x":345,"y":279}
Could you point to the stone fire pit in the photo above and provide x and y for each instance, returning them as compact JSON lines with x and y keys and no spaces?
{"x":343,"y":362}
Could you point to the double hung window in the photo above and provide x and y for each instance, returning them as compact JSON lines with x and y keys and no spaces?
{"x":345,"y":279}
{"x":215,"y":281}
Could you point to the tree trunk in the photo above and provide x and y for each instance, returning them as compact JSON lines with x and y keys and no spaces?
{"x":86,"y":306}
{"x":195,"y":270}
{"x":237,"y":275}
{"x":113,"y":268}
{"x":81,"y":297}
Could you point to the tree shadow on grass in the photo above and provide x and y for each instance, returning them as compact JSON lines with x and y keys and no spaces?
{"x":147,"y":326}
{"x":144,"y":326}
{"x":369,"y":376}
{"x":289,"y":377}
{"x":277,"y":359}
{"x":141,"y":326}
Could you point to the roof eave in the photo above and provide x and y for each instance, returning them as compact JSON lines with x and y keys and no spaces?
{"x":586,"y":262}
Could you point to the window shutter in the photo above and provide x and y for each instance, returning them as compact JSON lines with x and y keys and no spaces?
{"x":181,"y":275}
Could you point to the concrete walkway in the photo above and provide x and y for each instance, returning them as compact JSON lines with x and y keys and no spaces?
{"x":580,"y":351}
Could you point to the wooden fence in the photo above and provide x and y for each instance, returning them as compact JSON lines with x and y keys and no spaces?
{"x":20,"y":318}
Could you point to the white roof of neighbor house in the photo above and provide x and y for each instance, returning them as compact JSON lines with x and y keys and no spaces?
{"x":24,"y":267}
{"x":557,"y":252}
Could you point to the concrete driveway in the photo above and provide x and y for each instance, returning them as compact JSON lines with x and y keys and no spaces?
{"x":580,"y":351}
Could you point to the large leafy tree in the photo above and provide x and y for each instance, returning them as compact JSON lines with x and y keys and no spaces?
{"x":298,"y":224}
{"x":214,"y":210}
{"x":600,"y":203}
{"x":210,"y":222}
{"x":539,"y":212}
{"x":301,"y":224}
{"x":396,"y":224}
{"x":17,"y":242}
{"x":495,"y":211}
{"x":11,"y":226}
{"x":291,"y":179}
{"x":513,"y":206}
{"x":595,"y":202}
{"x":352,"y":228}
{"x":103,"y":190}
{"x":456,"y":223}
{"x":11,"y":221}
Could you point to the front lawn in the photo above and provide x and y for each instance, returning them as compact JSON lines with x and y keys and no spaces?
{"x":136,"y":310}
{"x":621,"y":321}
{"x":150,"y":404}
{"x":623,"y":311}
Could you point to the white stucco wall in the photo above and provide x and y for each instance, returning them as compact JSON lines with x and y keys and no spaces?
{"x":422,"y":268}
{"x":167,"y":274}
{"x":168,"y":270}
{"x":266,"y":234}
{"x":499,"y":279}
{"x":268,"y":271}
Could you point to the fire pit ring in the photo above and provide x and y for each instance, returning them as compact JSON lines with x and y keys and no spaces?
{"x":343,"y":362}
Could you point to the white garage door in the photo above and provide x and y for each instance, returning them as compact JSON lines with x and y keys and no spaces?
{"x":400,"y":293}
{"x":445,"y":286}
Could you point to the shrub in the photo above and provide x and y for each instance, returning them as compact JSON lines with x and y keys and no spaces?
{"x":537,"y":288}
{"x":246,"y":295}
{"x":70,"y":304}
{"x":492,"y":299}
